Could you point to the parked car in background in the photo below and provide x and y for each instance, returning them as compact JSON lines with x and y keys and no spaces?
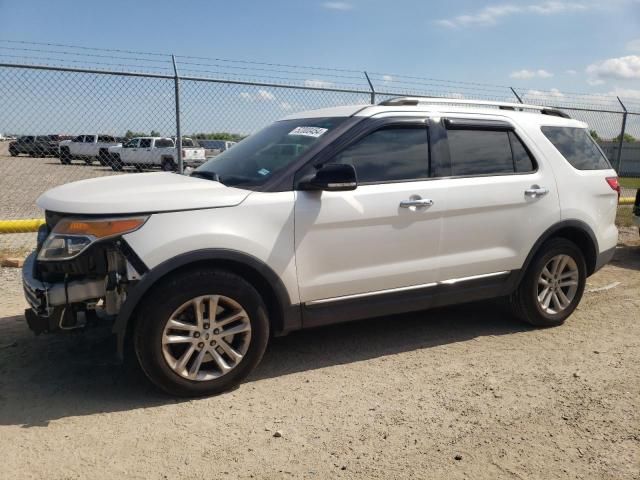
{"x":87,"y":147}
{"x":326,"y":216}
{"x":24,"y":144}
{"x":215,"y":147}
{"x":152,"y":152}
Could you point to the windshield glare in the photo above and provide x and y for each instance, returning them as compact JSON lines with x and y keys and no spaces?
{"x":254,"y":160}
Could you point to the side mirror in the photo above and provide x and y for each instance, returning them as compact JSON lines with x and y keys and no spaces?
{"x":332,"y":177}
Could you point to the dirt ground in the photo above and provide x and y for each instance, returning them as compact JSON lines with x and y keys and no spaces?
{"x":464,"y":392}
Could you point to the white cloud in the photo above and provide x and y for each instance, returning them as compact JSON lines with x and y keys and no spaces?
{"x":313,"y":83}
{"x":343,"y":6}
{"x":266,"y":95}
{"x":262,"y":95}
{"x":490,"y":15}
{"x":570,"y":72}
{"x":538,"y":95}
{"x":634,"y":45}
{"x":387,"y":78}
{"x":622,"y":68}
{"x":526,"y":74}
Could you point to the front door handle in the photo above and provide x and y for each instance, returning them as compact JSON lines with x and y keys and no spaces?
{"x":418,"y":202}
{"x":536,"y":191}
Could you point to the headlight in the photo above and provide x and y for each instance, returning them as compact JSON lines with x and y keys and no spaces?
{"x":70,"y":237}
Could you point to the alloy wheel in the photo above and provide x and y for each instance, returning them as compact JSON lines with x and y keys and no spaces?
{"x":206,"y":337}
{"x":557,"y":284}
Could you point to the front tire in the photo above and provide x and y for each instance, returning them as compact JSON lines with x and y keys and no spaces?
{"x":13,"y":152}
{"x":552,"y":286}
{"x":116,"y":163}
{"x":201,"y":332}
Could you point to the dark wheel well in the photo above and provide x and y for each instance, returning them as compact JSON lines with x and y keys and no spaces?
{"x":584,"y":242}
{"x":255,"y":278}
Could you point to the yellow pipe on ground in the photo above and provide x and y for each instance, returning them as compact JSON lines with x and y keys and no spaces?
{"x":27,"y":225}
{"x":24,"y":225}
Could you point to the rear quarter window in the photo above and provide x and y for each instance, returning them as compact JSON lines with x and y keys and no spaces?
{"x":577,"y":147}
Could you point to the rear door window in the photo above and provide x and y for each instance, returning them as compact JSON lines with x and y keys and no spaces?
{"x":577,"y":147}
{"x":145,"y":143}
{"x":479,"y":152}
{"x":89,"y":138}
{"x":487,"y":152}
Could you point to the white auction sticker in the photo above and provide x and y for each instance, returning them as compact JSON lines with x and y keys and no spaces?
{"x":308,"y":131}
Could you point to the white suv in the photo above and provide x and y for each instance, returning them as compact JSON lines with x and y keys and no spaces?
{"x":327,"y":216}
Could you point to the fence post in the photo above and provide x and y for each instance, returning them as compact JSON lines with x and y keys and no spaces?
{"x":176,"y":80}
{"x":622,"y":131}
{"x":516,"y":94}
{"x":373,"y":90}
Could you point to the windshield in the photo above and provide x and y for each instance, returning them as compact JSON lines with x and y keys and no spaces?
{"x":254,"y":160}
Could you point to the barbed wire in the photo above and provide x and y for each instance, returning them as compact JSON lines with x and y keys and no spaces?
{"x":50,"y":52}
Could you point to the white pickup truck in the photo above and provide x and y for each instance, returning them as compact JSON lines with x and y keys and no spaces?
{"x":87,"y":148}
{"x":149,"y":152}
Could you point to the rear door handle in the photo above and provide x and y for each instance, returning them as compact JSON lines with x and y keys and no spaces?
{"x":421,"y":202}
{"x":536,"y":191}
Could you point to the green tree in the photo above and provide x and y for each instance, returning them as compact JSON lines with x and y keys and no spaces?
{"x":627,"y":138}
{"x":594,"y":135}
{"x":154,"y":133}
{"x":234,"y":137}
{"x":131,"y":134}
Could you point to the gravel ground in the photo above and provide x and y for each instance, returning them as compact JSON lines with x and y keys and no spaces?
{"x":464,"y":392}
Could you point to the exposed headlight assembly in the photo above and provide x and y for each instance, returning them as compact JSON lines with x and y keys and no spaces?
{"x":71,"y":237}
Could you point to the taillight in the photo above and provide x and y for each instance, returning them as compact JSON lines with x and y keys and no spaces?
{"x":614,"y":184}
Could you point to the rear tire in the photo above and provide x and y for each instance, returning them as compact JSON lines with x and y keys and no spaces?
{"x":65,"y":156}
{"x":167,"y":329}
{"x":103,"y":157}
{"x":552,"y":285}
{"x":168,"y":165}
{"x":13,"y":153}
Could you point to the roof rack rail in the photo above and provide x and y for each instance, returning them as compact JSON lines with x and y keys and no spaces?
{"x":414,"y":101}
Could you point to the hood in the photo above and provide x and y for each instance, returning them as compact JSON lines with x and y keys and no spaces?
{"x":139,"y":193}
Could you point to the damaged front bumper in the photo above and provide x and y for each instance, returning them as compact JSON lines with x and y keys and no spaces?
{"x":50,"y":302}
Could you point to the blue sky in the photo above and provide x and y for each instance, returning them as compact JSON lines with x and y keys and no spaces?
{"x":532,"y":43}
{"x":559,"y":47}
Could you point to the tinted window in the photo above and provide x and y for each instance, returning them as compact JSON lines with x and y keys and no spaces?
{"x":164,"y":142}
{"x":79,"y":138}
{"x":89,"y":138}
{"x":145,"y":143}
{"x":479,"y":152}
{"x":522,"y":160}
{"x":106,"y":139}
{"x":390,"y":154}
{"x":577,"y":146}
{"x":187,"y":142}
{"x":131,"y":143}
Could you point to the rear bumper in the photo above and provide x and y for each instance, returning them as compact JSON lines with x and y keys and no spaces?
{"x":604,"y":258}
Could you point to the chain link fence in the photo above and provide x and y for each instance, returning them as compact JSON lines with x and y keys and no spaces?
{"x":67,"y":114}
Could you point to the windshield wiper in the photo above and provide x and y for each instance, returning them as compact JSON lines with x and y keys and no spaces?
{"x":206,"y":175}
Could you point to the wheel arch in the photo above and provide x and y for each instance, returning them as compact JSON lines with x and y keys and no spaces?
{"x":283,"y":315}
{"x":574,"y":230}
